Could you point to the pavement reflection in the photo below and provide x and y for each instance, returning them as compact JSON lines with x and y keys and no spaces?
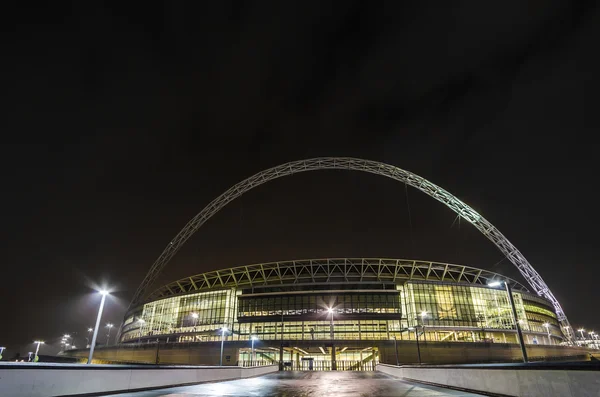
{"x":307,"y":384}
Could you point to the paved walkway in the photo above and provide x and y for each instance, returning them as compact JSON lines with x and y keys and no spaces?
{"x":307,"y":384}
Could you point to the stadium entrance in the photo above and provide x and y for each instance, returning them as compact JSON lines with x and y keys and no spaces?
{"x":313,"y":358}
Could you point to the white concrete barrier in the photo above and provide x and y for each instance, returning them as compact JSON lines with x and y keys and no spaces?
{"x":48,"y":380}
{"x":507,"y":380}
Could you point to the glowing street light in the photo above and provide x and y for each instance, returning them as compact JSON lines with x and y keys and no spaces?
{"x":223,"y":331}
{"x":37,"y":349}
{"x":423,"y":315}
{"x":331,"y":335}
{"x":582,"y":331}
{"x":109,"y":326}
{"x":511,"y":299}
{"x":253,"y":355}
{"x":93,"y":345}
{"x":547,"y":325}
{"x":141,"y":321}
{"x":87,"y":339}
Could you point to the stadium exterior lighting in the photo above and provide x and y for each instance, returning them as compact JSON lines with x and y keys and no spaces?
{"x":511,"y":299}
{"x":223,"y":331}
{"x":582,"y":331}
{"x":104,"y":293}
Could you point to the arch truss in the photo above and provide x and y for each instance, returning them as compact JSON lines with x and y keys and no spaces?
{"x":331,"y":270}
{"x":347,"y":163}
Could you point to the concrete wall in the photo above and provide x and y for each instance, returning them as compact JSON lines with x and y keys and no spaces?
{"x":465,"y":352}
{"x":506,"y":380}
{"x":207,"y":353}
{"x":46,"y":380}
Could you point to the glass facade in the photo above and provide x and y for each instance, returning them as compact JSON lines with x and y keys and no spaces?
{"x":438,"y":311}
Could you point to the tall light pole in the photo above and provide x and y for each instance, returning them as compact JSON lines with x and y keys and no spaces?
{"x":396,"y":350}
{"x":37,"y":349}
{"x":141,"y":322}
{"x":418,"y":346}
{"x":223,"y":331}
{"x":109,"y":326}
{"x":511,"y":299}
{"x":332,"y":336}
{"x":93,"y":345}
{"x":65,"y":339}
{"x":88,"y":337}
{"x":547,"y":325}
{"x":253,"y":355}
{"x":582,"y":331}
{"x":423,"y":315}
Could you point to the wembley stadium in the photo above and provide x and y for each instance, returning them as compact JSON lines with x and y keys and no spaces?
{"x":333,"y":309}
{"x":344,"y":313}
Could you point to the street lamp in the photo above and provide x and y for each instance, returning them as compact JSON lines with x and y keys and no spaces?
{"x":109,"y":326}
{"x":511,"y":299}
{"x":37,"y":349}
{"x":418,"y":346}
{"x":253,"y":354}
{"x":582,"y":331}
{"x":223,"y":331}
{"x":331,"y":335}
{"x":547,"y":325}
{"x":93,"y":345}
{"x":87,"y":339}
{"x":195,"y":317}
{"x":423,"y":315}
{"x":141,"y":321}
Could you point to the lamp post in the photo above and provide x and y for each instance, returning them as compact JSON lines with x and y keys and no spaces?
{"x":332,"y":336}
{"x":582,"y":331}
{"x":37,"y":349}
{"x":514,"y":312}
{"x":223,"y":331}
{"x":141,"y":322}
{"x":418,"y":346}
{"x":29,"y":356}
{"x":547,"y":325}
{"x":423,"y":315}
{"x":109,"y":326}
{"x":253,"y":353}
{"x":103,"y":293}
{"x":396,"y":350}
{"x":87,"y":339}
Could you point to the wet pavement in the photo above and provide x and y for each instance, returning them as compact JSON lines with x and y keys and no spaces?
{"x":307,"y":384}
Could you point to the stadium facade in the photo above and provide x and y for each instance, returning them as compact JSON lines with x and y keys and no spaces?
{"x":339,"y":309}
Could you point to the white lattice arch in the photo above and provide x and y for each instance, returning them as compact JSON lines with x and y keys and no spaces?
{"x":374,"y":167}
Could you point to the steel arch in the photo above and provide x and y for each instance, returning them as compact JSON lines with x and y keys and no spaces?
{"x":373,"y":167}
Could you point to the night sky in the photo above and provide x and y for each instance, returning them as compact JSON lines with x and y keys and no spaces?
{"x":121,"y":122}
